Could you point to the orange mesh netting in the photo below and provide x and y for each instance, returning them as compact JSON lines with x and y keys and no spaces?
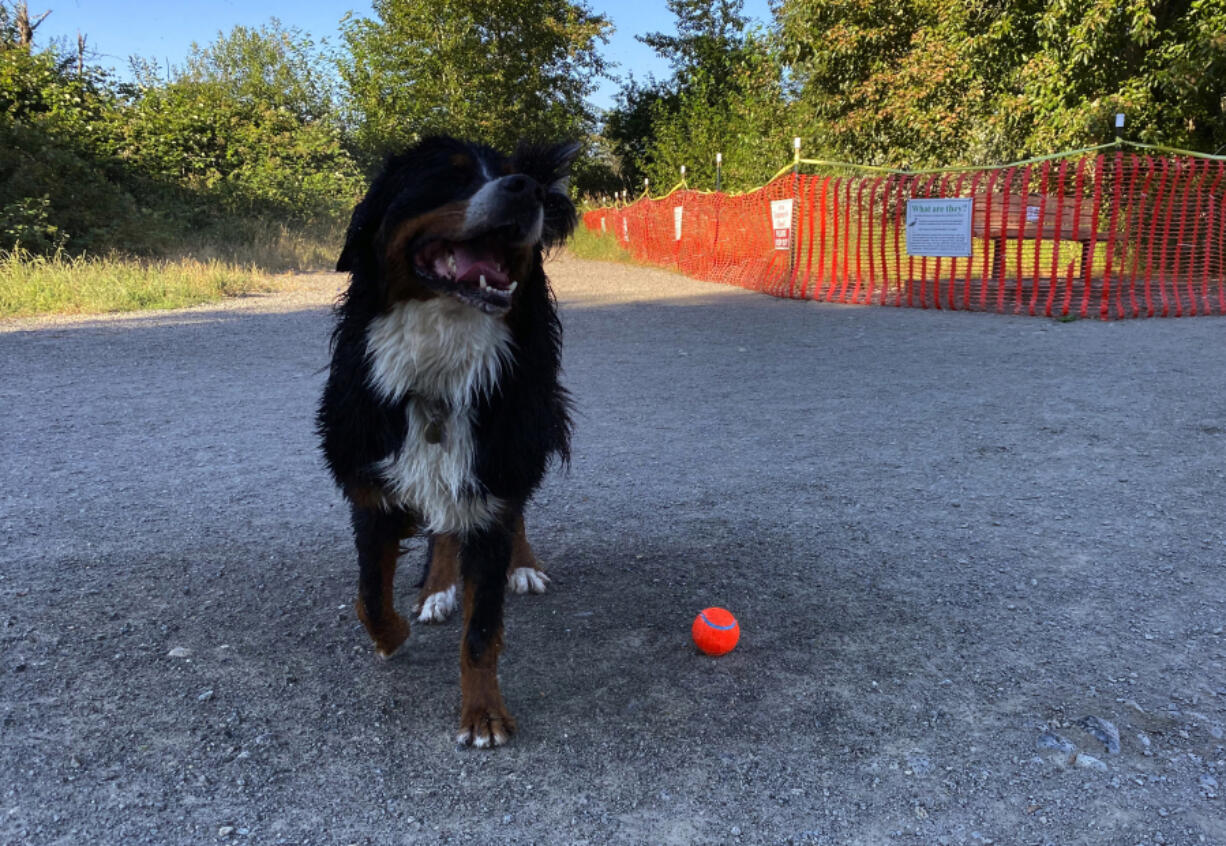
{"x":1107,"y":235}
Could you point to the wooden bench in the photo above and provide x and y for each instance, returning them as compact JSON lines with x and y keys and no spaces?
{"x":1016,"y":217}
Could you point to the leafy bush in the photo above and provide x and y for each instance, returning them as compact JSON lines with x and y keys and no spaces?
{"x":89,"y":165}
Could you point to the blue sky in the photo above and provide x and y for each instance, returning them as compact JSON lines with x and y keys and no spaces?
{"x":164,"y":31}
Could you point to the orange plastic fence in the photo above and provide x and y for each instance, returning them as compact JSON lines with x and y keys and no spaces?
{"x":1112,"y":236}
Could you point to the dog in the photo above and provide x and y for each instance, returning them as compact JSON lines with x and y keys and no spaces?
{"x":442,"y":408}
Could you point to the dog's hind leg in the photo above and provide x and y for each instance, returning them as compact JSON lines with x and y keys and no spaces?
{"x":439,"y":595}
{"x":526,"y":575}
{"x":485,"y":556}
{"x":377,"y":535}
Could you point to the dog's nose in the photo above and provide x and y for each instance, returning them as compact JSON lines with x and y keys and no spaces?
{"x":519,"y":185}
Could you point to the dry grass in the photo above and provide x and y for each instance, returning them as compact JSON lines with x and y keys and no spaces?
{"x":219,"y":264}
{"x":61,"y":284}
{"x":272,"y":247}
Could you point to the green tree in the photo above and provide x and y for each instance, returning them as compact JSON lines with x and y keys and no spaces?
{"x":248,"y":125}
{"x":726,"y":95}
{"x":630,"y":128}
{"x":931,"y":82}
{"x":60,"y":184}
{"x":1160,"y":62}
{"x":274,"y":64}
{"x":491,"y":70}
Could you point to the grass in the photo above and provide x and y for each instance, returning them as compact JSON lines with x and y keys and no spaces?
{"x":272,"y":247}
{"x":593,"y":245}
{"x":215,"y":265}
{"x":61,"y":284}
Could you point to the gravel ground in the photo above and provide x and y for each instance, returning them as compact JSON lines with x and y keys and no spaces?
{"x":977,"y":561}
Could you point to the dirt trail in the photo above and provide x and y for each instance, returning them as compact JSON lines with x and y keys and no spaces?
{"x":949,"y":539}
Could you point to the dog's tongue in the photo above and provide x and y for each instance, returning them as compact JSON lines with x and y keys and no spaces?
{"x":471,"y":263}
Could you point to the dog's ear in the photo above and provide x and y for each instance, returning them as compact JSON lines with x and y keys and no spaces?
{"x":368,"y":217}
{"x":357,"y":238}
{"x":549,"y":165}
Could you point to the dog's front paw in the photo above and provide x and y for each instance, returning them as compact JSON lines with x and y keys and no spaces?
{"x":437,"y":607}
{"x":389,"y":632}
{"x":527,"y":580}
{"x":485,"y":728}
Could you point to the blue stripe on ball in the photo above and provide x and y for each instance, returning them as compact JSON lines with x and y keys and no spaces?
{"x":714,"y":626}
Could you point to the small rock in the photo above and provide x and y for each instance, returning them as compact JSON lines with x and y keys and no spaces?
{"x":1146,"y":747}
{"x":1048,"y":740}
{"x":205,"y":697}
{"x":736,"y":831}
{"x":1088,"y":762}
{"x":1208,"y":786}
{"x":1104,"y":732}
{"x":179,"y":652}
{"x":225,"y":831}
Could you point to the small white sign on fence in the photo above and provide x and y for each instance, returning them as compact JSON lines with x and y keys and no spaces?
{"x":677,"y":210}
{"x":781,"y":223}
{"x":939,"y":226}
{"x":625,"y":231}
{"x":603,"y":229}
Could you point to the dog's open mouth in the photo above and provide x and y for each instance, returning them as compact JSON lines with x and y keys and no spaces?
{"x":477,"y":272}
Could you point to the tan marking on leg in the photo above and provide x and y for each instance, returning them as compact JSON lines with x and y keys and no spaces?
{"x":386,"y":628}
{"x":521,"y":552}
{"x":526,"y":574}
{"x":484,"y":719}
{"x":437,"y":599}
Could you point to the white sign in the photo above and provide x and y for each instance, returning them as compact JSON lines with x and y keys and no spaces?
{"x":781,"y":223}
{"x":625,"y":231}
{"x":602,"y":226}
{"x":939,"y":226}
{"x":677,"y":220}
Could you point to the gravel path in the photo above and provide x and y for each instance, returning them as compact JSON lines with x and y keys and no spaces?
{"x":978,"y":563}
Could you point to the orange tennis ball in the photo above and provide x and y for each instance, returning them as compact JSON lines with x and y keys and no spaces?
{"x":715,"y":631}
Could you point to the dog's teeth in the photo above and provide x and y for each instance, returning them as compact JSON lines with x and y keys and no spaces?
{"x":511,"y":288}
{"x":484,"y":285}
{"x":451,"y":262}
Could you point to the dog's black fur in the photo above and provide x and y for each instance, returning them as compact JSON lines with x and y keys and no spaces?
{"x":442,"y":199}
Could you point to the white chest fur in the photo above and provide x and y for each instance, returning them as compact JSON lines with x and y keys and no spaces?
{"x":443,"y":355}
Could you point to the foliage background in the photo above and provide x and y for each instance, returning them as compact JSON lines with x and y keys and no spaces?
{"x":268,"y":129}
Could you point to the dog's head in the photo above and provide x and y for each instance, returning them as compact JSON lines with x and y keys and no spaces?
{"x":456,"y":219}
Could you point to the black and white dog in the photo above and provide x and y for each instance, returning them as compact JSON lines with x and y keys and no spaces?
{"x":442,"y":408}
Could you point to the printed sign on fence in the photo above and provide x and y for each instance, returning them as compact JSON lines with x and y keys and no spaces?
{"x":940,"y":226}
{"x":677,"y":220}
{"x":781,"y":223}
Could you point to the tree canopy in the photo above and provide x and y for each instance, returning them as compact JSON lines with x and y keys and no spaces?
{"x":725,"y":96}
{"x":923,"y":83}
{"x":267,"y":123}
{"x":492,"y":70}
